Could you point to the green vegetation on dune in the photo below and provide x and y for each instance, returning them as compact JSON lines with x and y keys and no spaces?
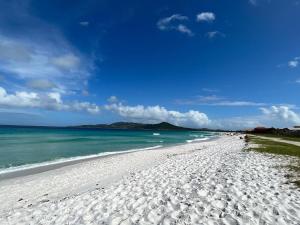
{"x":281,"y":137}
{"x":273,"y":147}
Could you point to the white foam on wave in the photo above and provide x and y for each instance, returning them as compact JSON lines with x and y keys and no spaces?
{"x":156,"y":134}
{"x":197,"y":139}
{"x":71,"y":159}
{"x":155,"y":141}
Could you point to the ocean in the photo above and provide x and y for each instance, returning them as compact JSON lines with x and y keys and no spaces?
{"x":27,"y":147}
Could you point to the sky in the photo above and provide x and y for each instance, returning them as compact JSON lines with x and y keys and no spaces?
{"x":198,"y":63}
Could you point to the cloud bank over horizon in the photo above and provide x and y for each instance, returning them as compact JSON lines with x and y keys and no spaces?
{"x":156,"y":114}
{"x":278,"y":116}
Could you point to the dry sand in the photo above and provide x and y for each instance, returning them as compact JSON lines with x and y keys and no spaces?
{"x":213,"y":182}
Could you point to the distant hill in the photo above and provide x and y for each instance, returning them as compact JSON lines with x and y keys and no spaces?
{"x":135,"y":126}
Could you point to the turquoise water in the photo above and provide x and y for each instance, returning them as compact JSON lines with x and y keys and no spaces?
{"x":21,"y":146}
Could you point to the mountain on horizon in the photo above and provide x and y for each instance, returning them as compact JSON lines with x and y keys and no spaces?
{"x":135,"y":126}
{"x":124,"y":126}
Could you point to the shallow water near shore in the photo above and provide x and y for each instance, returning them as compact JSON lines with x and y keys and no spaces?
{"x":22,"y":147}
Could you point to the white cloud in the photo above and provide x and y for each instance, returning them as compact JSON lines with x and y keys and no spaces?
{"x":112,"y":99}
{"x":282,"y":115}
{"x":277,"y":116}
{"x":298,"y":81}
{"x":206,"y":17}
{"x":183,"y":29}
{"x":208,"y":98}
{"x":48,"y":101}
{"x":237,"y":123}
{"x":29,"y":60}
{"x":66,"y":62}
{"x":153,"y":114}
{"x":238,"y":103}
{"x":213,"y":100}
{"x":13,"y":51}
{"x":174,"y":22}
{"x":44,"y":53}
{"x":274,"y":116}
{"x":85,"y":106}
{"x":84,"y":23}
{"x":293,"y":63}
{"x":213,"y":34}
{"x":41,"y":84}
{"x":165,"y":23}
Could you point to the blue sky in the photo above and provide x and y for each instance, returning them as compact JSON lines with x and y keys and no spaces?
{"x":220,"y":64}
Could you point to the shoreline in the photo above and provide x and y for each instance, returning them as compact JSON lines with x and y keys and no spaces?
{"x":52,"y":165}
{"x":84,"y":175}
{"x":209,"y":182}
{"x":21,"y":171}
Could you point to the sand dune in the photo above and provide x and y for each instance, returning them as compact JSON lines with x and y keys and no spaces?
{"x":201,"y":183}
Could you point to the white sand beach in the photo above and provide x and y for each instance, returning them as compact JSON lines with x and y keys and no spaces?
{"x":210,"y":182}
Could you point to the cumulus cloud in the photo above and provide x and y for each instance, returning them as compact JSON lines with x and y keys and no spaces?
{"x":278,"y":116}
{"x":206,"y":17}
{"x":281,"y":115}
{"x":273,"y":116}
{"x":174,"y":22}
{"x":48,"y":101}
{"x":153,"y":114}
{"x":85,"y":106}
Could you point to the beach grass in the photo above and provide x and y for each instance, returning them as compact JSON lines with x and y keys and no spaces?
{"x":274,"y":147}
{"x":279,"y":148}
{"x":287,"y":138}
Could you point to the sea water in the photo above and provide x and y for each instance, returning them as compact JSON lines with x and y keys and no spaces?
{"x":25,"y":147}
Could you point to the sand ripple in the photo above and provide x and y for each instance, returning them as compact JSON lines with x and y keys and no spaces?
{"x":219,"y":184}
